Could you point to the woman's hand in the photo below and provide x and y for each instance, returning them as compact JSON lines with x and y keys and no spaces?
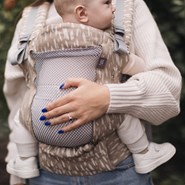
{"x":87,"y":102}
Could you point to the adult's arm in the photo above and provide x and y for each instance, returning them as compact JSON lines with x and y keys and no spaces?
{"x":153,"y":95}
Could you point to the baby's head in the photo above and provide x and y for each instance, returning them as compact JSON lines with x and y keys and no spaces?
{"x":95,"y":13}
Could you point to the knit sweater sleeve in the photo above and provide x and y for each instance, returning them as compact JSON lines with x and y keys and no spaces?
{"x":152,"y":95}
{"x":14,"y":88}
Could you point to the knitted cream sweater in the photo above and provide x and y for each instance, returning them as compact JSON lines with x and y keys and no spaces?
{"x":152,"y":96}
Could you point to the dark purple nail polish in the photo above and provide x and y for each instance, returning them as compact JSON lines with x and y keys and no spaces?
{"x":44,"y":110}
{"x":42,"y":118}
{"x":60,"y":132}
{"x":61,"y":87}
{"x":47,"y":123}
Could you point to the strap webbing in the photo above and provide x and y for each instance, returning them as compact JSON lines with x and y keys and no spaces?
{"x":120,"y":46}
{"x":24,"y":38}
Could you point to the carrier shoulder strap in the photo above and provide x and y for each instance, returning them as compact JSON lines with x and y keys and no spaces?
{"x":35,"y":17}
{"x":123,"y":25}
{"x":32,"y":19}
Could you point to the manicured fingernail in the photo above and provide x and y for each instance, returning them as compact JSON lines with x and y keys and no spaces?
{"x":47,"y":123}
{"x":44,"y":110}
{"x":60,"y":132}
{"x":42,"y":118}
{"x":61,"y":87}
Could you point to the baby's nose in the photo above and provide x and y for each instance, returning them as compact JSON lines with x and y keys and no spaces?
{"x":113,"y":8}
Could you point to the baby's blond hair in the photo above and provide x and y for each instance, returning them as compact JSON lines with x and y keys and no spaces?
{"x":64,"y":7}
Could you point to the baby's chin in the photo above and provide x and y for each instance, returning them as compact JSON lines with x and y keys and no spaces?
{"x":106,"y":27}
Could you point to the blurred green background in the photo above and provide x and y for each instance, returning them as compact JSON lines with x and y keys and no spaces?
{"x":170,"y":17}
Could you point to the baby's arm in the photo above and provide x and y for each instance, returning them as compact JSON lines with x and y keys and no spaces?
{"x":136,"y":142}
{"x":135,"y":65}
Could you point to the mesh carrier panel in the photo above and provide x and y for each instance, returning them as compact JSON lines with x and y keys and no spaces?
{"x":53,"y":68}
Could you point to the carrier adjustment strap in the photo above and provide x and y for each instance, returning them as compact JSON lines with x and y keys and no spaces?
{"x":119,"y":32}
{"x":21,"y":54}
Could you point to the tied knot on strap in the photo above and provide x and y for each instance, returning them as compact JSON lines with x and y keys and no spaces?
{"x":21,"y":54}
{"x":120,"y":46}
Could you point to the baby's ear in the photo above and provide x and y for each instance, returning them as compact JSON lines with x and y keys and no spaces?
{"x":81,"y":14}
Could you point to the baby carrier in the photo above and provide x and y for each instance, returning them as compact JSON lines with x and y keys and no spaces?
{"x":48,"y":56}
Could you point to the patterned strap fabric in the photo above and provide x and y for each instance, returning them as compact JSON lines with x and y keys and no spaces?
{"x":128,"y":21}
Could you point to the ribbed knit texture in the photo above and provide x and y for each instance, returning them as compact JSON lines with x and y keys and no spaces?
{"x":154,"y":95}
